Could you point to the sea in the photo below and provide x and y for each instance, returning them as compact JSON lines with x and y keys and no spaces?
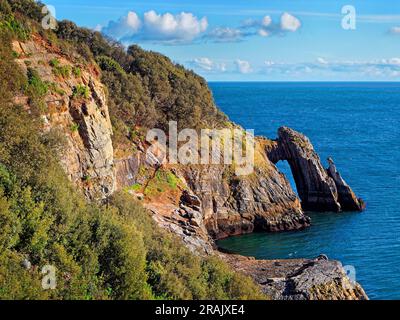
{"x":358,"y":125}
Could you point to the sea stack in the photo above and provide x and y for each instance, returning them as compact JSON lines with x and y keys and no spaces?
{"x":319,"y":189}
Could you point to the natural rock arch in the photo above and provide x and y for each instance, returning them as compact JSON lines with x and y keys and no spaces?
{"x":318,"y":188}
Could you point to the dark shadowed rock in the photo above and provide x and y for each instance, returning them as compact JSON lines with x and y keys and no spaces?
{"x":190,"y":199}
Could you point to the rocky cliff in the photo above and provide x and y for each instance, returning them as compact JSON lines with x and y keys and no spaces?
{"x":82,"y":118}
{"x":198,"y":203}
{"x":226,"y":204}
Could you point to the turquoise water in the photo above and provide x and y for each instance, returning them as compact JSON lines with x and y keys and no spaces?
{"x":358,"y":125}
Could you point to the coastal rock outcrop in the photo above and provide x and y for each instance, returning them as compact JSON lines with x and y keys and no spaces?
{"x":346,"y":197}
{"x":234,"y":205}
{"x":222,"y":203}
{"x":300,"y":279}
{"x":319,"y":189}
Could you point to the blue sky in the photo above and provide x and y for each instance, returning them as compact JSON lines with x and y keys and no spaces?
{"x":255,"y":40}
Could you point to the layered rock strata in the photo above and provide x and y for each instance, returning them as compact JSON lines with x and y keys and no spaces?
{"x":319,"y":189}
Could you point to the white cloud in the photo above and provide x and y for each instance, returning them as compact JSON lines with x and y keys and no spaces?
{"x":266,"y":21}
{"x":383,"y":69}
{"x":243,"y":66}
{"x":395,"y":30}
{"x":289,"y":22}
{"x":126,"y":26}
{"x":223,"y":34}
{"x":204,"y":63}
{"x":395,"y":61}
{"x":207,"y":64}
{"x":322,"y":60}
{"x":182,"y":27}
{"x":263,"y":33}
{"x":133,"y":21}
{"x":98,"y":28}
{"x":266,"y":27}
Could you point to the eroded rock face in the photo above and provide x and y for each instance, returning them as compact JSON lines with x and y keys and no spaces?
{"x":319,"y":189}
{"x":234,"y":206}
{"x":96,"y":160}
{"x":220,"y":203}
{"x":88,"y":155}
{"x":301,"y":279}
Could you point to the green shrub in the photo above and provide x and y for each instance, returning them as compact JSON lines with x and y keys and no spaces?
{"x":174,"y":272}
{"x":54,"y":88}
{"x":77,"y":72}
{"x":172,"y":180}
{"x":62,"y":71}
{"x":11,"y":77}
{"x":134,"y":187}
{"x":17,"y":29}
{"x":29,"y":8}
{"x":36,"y":89}
{"x":109,"y":64}
{"x":75,"y":127}
{"x":54,"y":63}
{"x":81,"y":91}
{"x":17,"y":283}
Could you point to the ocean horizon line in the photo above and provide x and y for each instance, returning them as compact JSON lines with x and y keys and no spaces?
{"x":305,"y":81}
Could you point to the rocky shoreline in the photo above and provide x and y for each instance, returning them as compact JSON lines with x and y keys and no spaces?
{"x":300,"y":279}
